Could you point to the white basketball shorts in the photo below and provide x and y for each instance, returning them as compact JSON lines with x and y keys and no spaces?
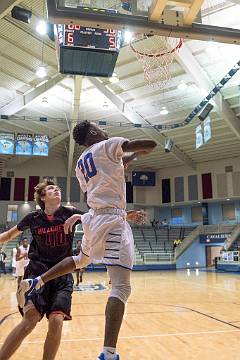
{"x":108,"y":238}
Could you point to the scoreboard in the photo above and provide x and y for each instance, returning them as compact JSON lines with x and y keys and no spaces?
{"x":86,"y":50}
{"x":88,"y":37}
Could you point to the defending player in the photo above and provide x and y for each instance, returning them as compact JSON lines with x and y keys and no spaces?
{"x":49,"y":246}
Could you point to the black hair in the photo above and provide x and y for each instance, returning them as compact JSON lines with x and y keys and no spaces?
{"x":80,"y":132}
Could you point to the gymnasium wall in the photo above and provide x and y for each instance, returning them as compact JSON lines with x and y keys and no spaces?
{"x":211,"y":181}
{"x":178,"y":187}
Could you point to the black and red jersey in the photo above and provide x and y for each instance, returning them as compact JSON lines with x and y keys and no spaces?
{"x":49,"y":243}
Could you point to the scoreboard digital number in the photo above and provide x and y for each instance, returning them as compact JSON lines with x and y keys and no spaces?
{"x":76,"y":35}
{"x":86,"y":50}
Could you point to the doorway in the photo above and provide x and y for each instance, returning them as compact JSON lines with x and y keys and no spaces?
{"x":211,"y":253}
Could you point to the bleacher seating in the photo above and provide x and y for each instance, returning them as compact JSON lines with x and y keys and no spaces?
{"x":151,"y":245}
{"x":156,"y":245}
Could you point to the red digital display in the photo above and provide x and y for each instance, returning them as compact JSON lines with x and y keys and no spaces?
{"x":88,"y":37}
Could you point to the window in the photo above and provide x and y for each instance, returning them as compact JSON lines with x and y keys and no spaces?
{"x":228,"y":211}
{"x":177,"y":216}
{"x":12,"y":213}
{"x":197,"y":214}
{"x":176,"y":212}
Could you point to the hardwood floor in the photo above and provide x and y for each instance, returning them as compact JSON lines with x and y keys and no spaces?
{"x":170,"y":316}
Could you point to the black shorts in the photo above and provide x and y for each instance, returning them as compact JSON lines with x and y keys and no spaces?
{"x":55,"y":296}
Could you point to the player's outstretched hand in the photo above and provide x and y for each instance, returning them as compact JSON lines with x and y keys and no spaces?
{"x":70,"y":222}
{"x":137,"y":216}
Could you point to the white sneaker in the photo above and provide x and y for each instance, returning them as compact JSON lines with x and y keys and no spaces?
{"x":26,"y":287}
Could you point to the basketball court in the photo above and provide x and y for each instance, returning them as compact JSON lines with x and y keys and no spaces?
{"x":166,"y":70}
{"x":169,"y":315}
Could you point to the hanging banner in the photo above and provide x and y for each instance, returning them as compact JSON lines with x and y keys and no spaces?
{"x":207,"y":130}
{"x":24,"y":144}
{"x":40,"y":145}
{"x":199,"y":136}
{"x":6,"y":144}
{"x":146,"y":178}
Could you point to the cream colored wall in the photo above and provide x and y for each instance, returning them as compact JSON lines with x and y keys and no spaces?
{"x":153,"y":196}
{"x":39,"y":166}
{"x":143,"y":196}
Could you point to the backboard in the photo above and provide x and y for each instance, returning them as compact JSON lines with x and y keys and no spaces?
{"x":171,"y":18}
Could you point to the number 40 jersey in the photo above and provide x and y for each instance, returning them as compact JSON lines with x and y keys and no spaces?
{"x":100,"y":173}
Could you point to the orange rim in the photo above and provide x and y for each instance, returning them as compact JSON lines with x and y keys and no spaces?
{"x":177,"y":47}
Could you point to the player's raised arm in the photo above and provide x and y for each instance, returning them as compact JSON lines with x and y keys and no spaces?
{"x":139,"y":146}
{"x":9,"y":234}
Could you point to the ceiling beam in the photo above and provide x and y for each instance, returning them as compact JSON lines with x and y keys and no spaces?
{"x":6,"y":6}
{"x":156,"y":9}
{"x":202,"y":80}
{"x":191,"y":13}
{"x":135,"y":118}
{"x":21,"y":101}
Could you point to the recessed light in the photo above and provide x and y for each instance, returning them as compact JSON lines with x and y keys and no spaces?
{"x":227,"y":199}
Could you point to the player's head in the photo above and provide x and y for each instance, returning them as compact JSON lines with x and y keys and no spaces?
{"x":87,"y":133}
{"x":79,"y":243}
{"x":47,"y":192}
{"x":25,"y":242}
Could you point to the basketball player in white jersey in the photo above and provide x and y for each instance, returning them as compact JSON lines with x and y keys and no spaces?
{"x":14,"y":254}
{"x":22,"y":260}
{"x":107,"y":235}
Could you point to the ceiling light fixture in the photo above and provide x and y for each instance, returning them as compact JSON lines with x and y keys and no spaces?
{"x":127,"y":36}
{"x":182,"y":85}
{"x":44,"y":101}
{"x":105,"y":105}
{"x":163,"y":111}
{"x":41,"y":72}
{"x":41,"y":27}
{"x":114,"y":78}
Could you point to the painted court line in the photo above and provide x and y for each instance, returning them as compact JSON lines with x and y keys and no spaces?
{"x":140,"y":336}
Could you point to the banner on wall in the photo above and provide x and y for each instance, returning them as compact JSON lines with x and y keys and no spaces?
{"x":143,"y":178}
{"x":213,"y":238}
{"x":199,"y":136}
{"x":207,"y":131}
{"x":6,"y":143}
{"x":40,"y":145}
{"x":24,"y":144}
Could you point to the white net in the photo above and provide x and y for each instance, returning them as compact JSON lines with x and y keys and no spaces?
{"x":156,"y":54}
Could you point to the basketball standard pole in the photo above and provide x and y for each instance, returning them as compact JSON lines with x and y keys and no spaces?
{"x":140,"y":24}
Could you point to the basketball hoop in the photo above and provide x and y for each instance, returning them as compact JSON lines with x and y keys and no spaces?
{"x":156,"y":54}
